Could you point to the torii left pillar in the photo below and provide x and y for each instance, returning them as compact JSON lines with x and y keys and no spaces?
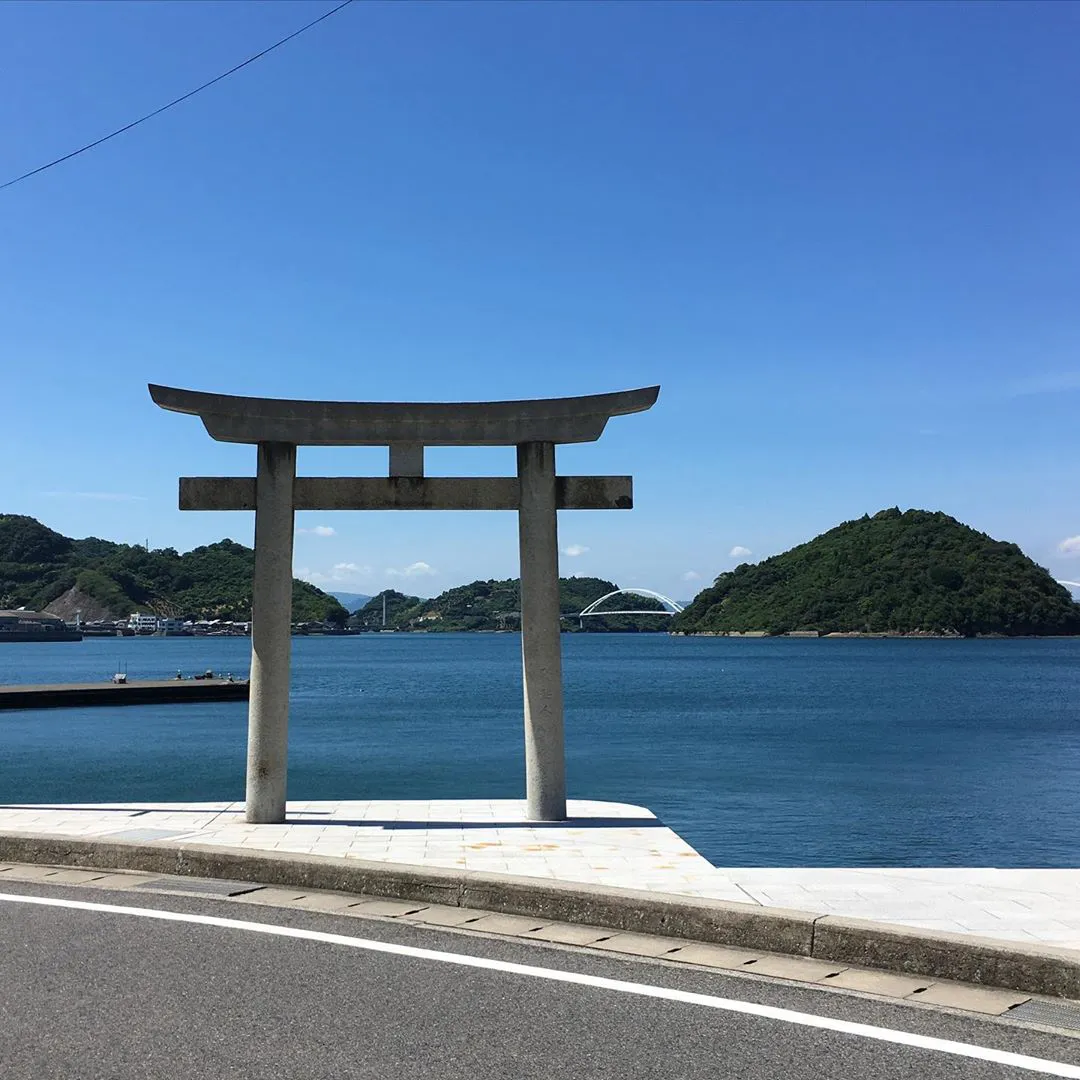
{"x":271,"y":634}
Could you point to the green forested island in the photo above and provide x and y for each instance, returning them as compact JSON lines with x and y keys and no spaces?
{"x":41,"y":569}
{"x":916,"y":572}
{"x":494,"y":605}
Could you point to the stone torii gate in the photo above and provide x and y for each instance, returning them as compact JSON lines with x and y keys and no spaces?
{"x":278,"y":427}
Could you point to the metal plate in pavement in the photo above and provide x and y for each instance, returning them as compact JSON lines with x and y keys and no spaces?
{"x":200,"y":886}
{"x":1050,"y":1013}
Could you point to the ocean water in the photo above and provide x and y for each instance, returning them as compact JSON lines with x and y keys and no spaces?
{"x":759,"y":752}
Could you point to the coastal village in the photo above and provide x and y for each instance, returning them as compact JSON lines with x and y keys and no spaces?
{"x":23,"y":625}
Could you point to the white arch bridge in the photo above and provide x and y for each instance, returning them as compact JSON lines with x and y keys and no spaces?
{"x":670,"y":606}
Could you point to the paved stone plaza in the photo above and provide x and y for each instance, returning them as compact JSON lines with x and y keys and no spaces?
{"x":602,"y":844}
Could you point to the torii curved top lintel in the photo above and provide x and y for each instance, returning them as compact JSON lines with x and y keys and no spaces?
{"x":367,"y":423}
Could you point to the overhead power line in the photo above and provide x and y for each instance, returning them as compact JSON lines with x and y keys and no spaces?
{"x":177,"y":101}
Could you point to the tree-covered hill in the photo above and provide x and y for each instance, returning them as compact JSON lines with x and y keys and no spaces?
{"x":495,"y":605}
{"x":912,"y":572}
{"x":39,"y":567}
{"x":370,"y":616}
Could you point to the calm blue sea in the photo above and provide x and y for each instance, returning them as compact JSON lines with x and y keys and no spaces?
{"x":759,"y":752}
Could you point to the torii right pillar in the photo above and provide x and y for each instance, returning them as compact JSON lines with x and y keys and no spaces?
{"x":541,"y":647}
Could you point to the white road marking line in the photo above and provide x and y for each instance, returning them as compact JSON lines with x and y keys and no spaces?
{"x":769,"y":1012}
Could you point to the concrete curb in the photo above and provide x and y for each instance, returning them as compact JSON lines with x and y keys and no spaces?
{"x":1045,"y":971}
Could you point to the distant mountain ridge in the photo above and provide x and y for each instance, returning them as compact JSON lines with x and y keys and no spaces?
{"x":43,"y":570}
{"x":916,"y":572}
{"x":495,"y":605}
{"x":350,"y":601}
{"x":99,"y":579}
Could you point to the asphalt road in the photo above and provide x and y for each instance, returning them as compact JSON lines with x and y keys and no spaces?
{"x":95,"y":994}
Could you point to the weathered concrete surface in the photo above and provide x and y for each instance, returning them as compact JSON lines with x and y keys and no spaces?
{"x":742,"y":926}
{"x":1029,"y":906}
{"x":405,"y":492}
{"x":719,"y":921}
{"x":600,"y":843}
{"x":271,"y":634}
{"x":772,"y":930}
{"x":541,"y":644}
{"x":967,"y":958}
{"x":406,"y":459}
{"x":356,"y":423}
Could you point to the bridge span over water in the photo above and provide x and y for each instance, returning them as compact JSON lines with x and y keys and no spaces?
{"x":670,"y":607}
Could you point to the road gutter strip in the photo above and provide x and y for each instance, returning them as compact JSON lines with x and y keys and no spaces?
{"x":958,"y":957}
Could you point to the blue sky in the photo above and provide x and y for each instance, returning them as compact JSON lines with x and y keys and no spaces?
{"x":843,"y":238}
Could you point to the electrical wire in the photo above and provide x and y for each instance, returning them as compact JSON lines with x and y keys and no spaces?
{"x":176,"y":101}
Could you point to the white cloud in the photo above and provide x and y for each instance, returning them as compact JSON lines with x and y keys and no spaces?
{"x":691,"y":575}
{"x":573,"y":550}
{"x":105,"y":496}
{"x":1070,"y":545}
{"x":344,"y":573}
{"x":739,"y":552}
{"x":319,"y":530}
{"x":416,"y":569}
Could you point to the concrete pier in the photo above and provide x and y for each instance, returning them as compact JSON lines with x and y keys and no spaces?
{"x":271,"y":642}
{"x":135,"y":692}
{"x":541,"y":647}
